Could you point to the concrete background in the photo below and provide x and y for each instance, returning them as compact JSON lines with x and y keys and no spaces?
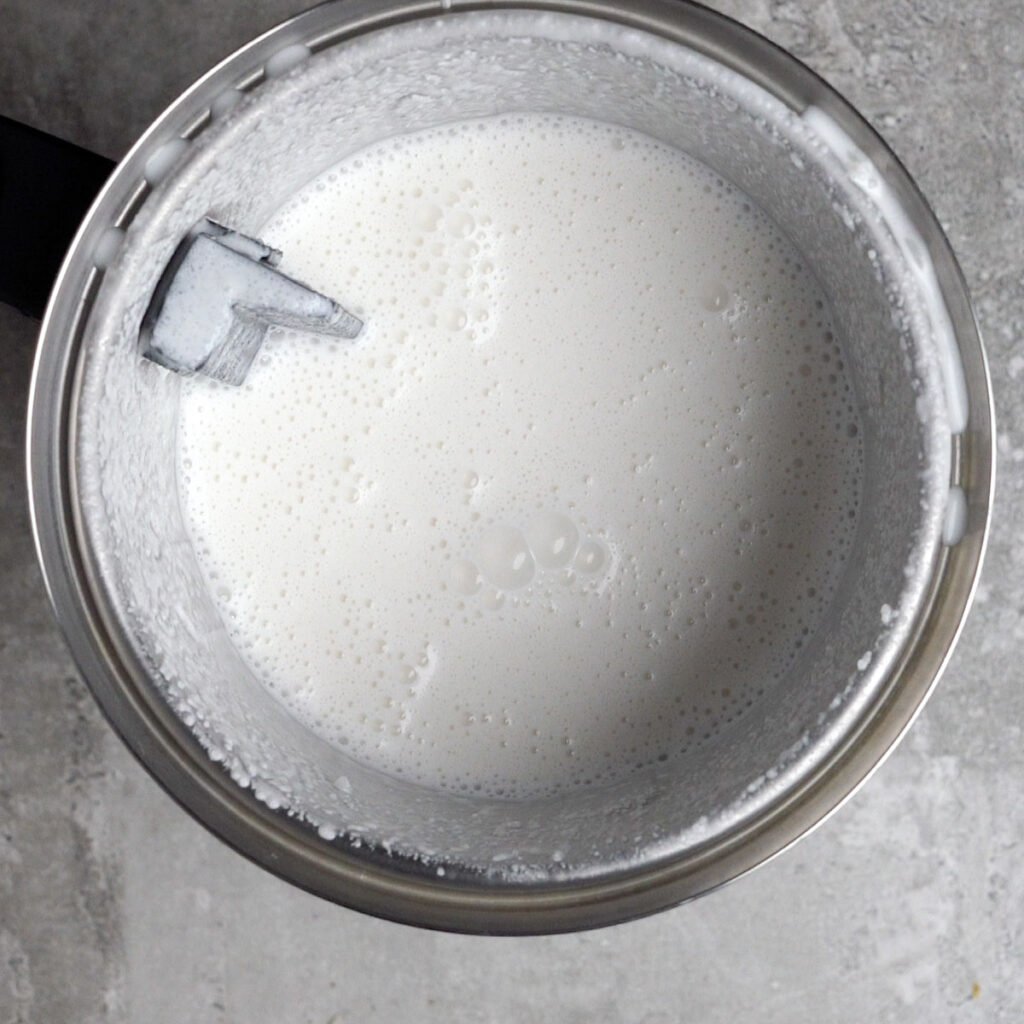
{"x":906,"y":906}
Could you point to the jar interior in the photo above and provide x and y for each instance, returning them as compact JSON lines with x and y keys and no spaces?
{"x":243,"y":166}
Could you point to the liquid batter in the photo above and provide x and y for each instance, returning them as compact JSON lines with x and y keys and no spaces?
{"x":578,"y":494}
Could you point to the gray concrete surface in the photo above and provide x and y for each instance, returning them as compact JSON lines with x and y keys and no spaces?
{"x":907,"y":906}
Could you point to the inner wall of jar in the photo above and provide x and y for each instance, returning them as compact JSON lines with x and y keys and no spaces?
{"x":242,"y":167}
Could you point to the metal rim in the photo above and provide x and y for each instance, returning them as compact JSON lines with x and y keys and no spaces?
{"x":165,"y":746}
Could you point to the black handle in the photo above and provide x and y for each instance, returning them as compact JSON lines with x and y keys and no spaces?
{"x":46,"y":187}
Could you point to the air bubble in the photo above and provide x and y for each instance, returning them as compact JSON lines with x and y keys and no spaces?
{"x":505,"y":558}
{"x":553,"y":539}
{"x":465,"y":577}
{"x":715,"y":297}
{"x":591,"y":557}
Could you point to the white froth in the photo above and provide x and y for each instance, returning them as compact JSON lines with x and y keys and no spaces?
{"x":954,"y":524}
{"x":582,"y":489}
{"x":287,"y":58}
{"x":107,"y":247}
{"x":163,"y":160}
{"x":863,"y":173}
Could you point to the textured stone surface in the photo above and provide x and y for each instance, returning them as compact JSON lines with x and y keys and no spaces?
{"x":908,"y":905}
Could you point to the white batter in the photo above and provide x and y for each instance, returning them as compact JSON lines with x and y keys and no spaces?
{"x":577,"y":495}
